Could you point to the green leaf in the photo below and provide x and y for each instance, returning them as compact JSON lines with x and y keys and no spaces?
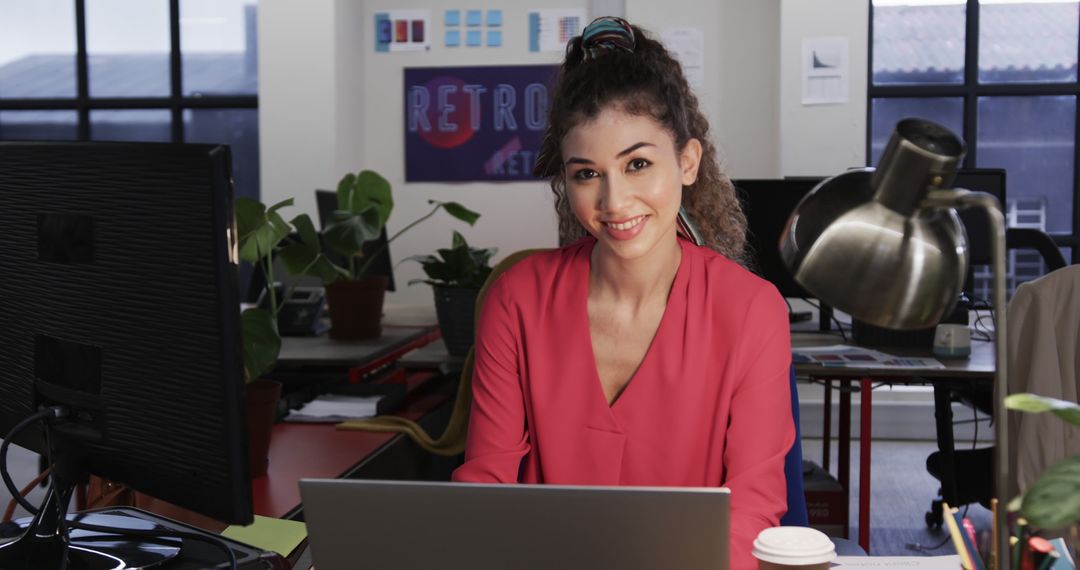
{"x":458,"y":241}
{"x":300,"y":259}
{"x":308,"y":235}
{"x":458,"y":211}
{"x":261,"y":342}
{"x":1035,"y":404}
{"x":280,"y":205}
{"x":1054,"y":500}
{"x":359,"y":192}
{"x":260,"y":230}
{"x":347,"y":235}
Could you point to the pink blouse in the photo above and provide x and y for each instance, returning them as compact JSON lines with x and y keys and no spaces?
{"x":709,"y":405}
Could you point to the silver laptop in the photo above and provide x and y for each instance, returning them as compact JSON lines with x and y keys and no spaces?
{"x":380,"y":525}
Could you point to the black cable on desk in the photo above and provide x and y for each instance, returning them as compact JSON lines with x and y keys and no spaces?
{"x":59,"y":412}
{"x":54,"y":411}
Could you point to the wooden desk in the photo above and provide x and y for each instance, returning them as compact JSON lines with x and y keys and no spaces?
{"x":321,"y":451}
{"x":978,"y":368}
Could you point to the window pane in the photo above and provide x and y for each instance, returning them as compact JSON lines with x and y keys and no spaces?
{"x":39,"y":125}
{"x":37,"y":48}
{"x":1032,"y":138}
{"x":238,"y":128}
{"x":886,"y":112}
{"x":217,"y":43}
{"x":918,"y":43}
{"x":128,"y":46}
{"x":1028,"y":41}
{"x":131,"y":125}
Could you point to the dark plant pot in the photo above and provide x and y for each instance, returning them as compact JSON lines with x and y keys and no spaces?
{"x":356,"y":307}
{"x":456,"y":307}
{"x":262,"y":402}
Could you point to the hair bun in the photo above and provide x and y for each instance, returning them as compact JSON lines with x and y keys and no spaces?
{"x":607,"y":34}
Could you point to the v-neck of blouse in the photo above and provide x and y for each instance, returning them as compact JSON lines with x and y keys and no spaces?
{"x":585,"y":258}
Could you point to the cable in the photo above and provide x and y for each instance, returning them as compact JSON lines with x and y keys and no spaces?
{"x":210,"y":539}
{"x":10,"y":511}
{"x":839,"y":325}
{"x":60,"y":412}
{"x":54,"y":411}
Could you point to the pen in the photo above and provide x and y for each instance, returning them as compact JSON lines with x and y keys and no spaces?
{"x":1049,"y":561}
{"x":1039,"y":549}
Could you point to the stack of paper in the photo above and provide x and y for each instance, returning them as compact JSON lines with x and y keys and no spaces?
{"x":843,"y":355}
{"x":333,"y":408}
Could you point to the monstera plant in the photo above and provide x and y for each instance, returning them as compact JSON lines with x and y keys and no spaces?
{"x":262,"y":235}
{"x":355,"y":295}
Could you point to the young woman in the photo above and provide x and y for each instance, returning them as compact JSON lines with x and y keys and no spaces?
{"x":634,"y":356}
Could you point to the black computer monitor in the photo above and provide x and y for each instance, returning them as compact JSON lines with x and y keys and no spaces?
{"x":120,"y":304}
{"x":327,"y":202}
{"x":768,"y":204}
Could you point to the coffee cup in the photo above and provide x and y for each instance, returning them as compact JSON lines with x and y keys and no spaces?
{"x":793,"y":548}
{"x":952,"y":341}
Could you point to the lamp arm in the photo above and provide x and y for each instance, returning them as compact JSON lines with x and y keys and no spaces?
{"x":960,"y":198}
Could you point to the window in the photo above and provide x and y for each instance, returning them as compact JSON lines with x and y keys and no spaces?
{"x":1003,"y":75}
{"x":133,"y":70}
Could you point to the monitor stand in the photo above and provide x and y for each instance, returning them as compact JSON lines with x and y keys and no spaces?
{"x":47,"y":542}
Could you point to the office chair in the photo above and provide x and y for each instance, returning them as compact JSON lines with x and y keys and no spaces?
{"x":974,"y":467}
{"x":793,"y":470}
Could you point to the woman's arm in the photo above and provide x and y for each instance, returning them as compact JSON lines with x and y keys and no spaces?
{"x":497,"y":439}
{"x":761,"y":429}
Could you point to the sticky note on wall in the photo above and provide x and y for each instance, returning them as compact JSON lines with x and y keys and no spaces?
{"x":473,"y":18}
{"x":453,"y":38}
{"x":452,"y":18}
{"x":472,"y":39}
{"x":494,"y":18}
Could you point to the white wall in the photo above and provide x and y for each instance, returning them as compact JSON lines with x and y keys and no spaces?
{"x":819,"y":140}
{"x":329,"y":104}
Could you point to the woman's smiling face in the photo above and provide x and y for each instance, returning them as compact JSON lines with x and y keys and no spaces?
{"x":624,"y":180}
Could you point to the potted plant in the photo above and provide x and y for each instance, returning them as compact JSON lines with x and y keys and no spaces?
{"x":456,"y":276}
{"x":1053,"y":502}
{"x":355,"y":297}
{"x":262,"y":233}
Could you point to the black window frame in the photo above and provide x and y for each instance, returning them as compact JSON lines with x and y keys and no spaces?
{"x":970,"y":90}
{"x":175,"y":102}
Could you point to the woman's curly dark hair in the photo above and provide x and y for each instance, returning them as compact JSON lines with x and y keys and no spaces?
{"x":647,"y":81}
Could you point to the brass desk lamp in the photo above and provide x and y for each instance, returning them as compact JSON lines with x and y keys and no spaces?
{"x":885,"y":245}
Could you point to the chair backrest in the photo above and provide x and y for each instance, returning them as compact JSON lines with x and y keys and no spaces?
{"x":793,"y":470}
{"x":452,"y":440}
{"x":1030,"y":238}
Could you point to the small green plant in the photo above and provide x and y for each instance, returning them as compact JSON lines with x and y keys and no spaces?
{"x":1054,"y":500}
{"x":460,"y":266}
{"x":261,"y":233}
{"x":364,"y":205}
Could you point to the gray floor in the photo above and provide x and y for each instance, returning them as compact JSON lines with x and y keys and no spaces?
{"x":902,"y":491}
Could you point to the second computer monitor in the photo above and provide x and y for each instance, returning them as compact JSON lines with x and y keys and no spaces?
{"x":768,"y":204}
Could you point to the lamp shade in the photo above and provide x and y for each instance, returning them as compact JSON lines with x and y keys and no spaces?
{"x":863,"y":242}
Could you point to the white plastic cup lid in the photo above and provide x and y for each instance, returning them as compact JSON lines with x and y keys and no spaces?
{"x":793,"y":546}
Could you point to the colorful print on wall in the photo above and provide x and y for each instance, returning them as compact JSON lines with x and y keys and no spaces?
{"x":402,"y":30}
{"x":470,"y":124}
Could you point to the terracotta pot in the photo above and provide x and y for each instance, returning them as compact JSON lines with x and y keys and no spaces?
{"x":262,"y":402}
{"x":455,"y":307}
{"x":355,"y":307}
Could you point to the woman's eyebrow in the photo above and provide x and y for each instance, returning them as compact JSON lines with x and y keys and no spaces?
{"x":628,"y":150}
{"x":632,"y":148}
